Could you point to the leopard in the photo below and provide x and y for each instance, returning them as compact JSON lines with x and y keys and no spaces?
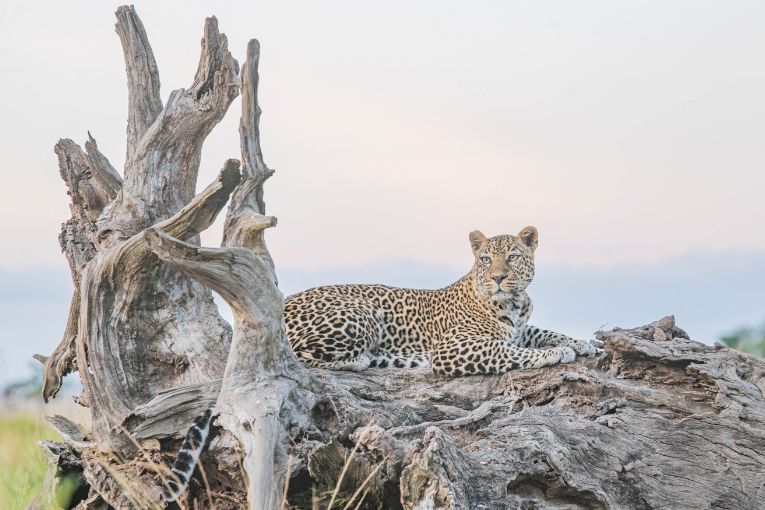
{"x":476,"y":326}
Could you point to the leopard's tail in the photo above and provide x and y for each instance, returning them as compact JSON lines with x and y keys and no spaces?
{"x":188,"y":456}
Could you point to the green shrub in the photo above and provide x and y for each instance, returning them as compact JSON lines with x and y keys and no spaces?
{"x":751,"y":340}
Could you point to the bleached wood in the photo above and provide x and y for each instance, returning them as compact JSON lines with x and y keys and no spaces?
{"x":137,"y":328}
{"x":161,"y":170}
{"x":249,"y":196}
{"x":167,"y":413}
{"x":144,"y":102}
{"x":115,"y":386}
{"x":261,"y":372}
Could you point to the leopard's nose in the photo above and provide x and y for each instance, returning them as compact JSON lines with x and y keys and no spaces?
{"x":498,"y":279}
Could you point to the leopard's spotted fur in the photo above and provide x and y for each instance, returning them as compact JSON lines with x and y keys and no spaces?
{"x":478,"y":325}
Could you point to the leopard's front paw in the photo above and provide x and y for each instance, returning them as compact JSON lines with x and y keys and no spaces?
{"x":584,"y":347}
{"x":567,"y":354}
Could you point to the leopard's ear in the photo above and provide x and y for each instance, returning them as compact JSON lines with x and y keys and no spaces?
{"x":530,"y":237}
{"x":477,"y":240}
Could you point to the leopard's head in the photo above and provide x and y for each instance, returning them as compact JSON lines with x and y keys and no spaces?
{"x":504,"y":265}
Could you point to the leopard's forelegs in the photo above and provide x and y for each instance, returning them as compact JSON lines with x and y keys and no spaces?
{"x":457,"y":355}
{"x":535,"y":338}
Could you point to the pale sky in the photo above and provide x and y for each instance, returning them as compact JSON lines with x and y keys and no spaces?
{"x":630,"y":133}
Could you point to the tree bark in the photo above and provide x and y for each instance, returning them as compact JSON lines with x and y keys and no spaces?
{"x":656,"y":421}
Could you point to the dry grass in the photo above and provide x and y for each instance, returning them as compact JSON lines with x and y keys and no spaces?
{"x":23,"y":466}
{"x":23,"y":463}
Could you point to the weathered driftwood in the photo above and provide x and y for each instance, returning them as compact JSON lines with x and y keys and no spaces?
{"x":656,"y":421}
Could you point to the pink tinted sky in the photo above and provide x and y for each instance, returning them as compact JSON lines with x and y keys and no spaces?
{"x":627,"y":132}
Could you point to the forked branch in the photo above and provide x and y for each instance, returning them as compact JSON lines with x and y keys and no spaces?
{"x":190,"y":221}
{"x":261,"y":374}
{"x":92,"y":183}
{"x":164,"y":154}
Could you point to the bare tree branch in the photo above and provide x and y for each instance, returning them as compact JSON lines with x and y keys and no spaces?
{"x":249,"y":195}
{"x":235,"y":273}
{"x":260,"y":363}
{"x":144,"y":102}
{"x":201,"y":212}
{"x":91,"y":186}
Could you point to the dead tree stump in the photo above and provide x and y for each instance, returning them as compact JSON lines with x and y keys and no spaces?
{"x":657,"y":421}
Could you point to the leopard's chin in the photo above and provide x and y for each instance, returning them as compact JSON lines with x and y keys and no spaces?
{"x":501,"y":295}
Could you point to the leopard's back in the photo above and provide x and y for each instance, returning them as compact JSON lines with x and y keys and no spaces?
{"x":336,"y":326}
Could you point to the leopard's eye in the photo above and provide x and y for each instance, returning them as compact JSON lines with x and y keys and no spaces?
{"x":513,"y":257}
{"x":485,"y":259}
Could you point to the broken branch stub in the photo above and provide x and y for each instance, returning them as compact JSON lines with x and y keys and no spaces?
{"x":92,"y":183}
